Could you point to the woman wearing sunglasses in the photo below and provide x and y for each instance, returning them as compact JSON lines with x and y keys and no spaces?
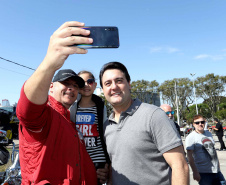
{"x":89,"y":114}
{"x":202,"y":155}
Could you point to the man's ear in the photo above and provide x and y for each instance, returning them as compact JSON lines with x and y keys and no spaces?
{"x":130,"y":86}
{"x":51,"y":88}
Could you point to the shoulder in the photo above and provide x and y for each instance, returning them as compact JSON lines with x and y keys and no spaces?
{"x":191,"y":136}
{"x":149,"y":107}
{"x":207,"y":133}
{"x":149,"y":111}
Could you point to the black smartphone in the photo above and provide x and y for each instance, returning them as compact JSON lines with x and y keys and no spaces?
{"x":103,"y":37}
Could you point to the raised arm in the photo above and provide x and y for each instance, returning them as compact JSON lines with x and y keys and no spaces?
{"x":37,"y":86}
{"x":176,"y":160}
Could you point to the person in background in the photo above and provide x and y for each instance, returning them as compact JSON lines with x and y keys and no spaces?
{"x":89,"y":113}
{"x":202,"y":155}
{"x":206,"y":125}
{"x":170,"y":113}
{"x":220,"y":133}
{"x":142,"y":144}
{"x":51,"y":149}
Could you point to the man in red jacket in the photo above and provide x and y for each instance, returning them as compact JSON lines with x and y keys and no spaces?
{"x":51,"y":149}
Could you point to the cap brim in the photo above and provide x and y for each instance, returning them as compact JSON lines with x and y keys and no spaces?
{"x":78,"y":80}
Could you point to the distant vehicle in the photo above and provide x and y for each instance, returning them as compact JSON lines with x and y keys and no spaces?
{"x":185,"y":131}
{"x":11,"y":121}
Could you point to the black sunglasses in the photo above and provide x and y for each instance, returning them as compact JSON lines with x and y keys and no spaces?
{"x":90,"y":81}
{"x":197,"y":123}
{"x":170,"y":112}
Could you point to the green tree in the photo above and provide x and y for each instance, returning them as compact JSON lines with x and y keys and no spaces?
{"x":183,"y":86}
{"x":144,"y":90}
{"x":139,"y":89}
{"x":190,"y":112}
{"x":144,"y":86}
{"x":211,"y":88}
{"x":221,"y":113}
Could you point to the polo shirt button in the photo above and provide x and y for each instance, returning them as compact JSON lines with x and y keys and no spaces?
{"x":77,"y":164}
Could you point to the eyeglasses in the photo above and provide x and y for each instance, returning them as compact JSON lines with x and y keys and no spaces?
{"x":90,"y":81}
{"x":197,"y":122}
{"x":170,"y":112}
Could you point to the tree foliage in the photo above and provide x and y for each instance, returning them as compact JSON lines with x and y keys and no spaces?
{"x":190,"y":112}
{"x":144,"y":90}
{"x":211,"y":88}
{"x":144,"y":86}
{"x":180,"y":86}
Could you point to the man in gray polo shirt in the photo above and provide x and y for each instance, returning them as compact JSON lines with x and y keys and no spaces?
{"x":143,"y":146}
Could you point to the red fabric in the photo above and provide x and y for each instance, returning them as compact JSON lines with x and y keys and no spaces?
{"x":50,"y":148}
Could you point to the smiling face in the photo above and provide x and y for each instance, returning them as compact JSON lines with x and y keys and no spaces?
{"x":116,"y":89}
{"x":89,"y":88}
{"x":64,"y":92}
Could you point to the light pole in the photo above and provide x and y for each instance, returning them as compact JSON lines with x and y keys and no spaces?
{"x":178,"y":116}
{"x":193,"y":74}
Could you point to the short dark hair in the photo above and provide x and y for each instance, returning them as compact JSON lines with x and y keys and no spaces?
{"x":215,"y":119}
{"x":197,"y":117}
{"x":113,"y":65}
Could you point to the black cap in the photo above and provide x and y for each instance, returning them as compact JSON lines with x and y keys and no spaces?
{"x":64,"y":74}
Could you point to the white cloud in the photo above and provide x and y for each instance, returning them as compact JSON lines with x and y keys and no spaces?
{"x":163,"y":50}
{"x":218,"y":57}
{"x":156,"y":49}
{"x":202,"y":56}
{"x":172,"y":50}
{"x":212,"y":57}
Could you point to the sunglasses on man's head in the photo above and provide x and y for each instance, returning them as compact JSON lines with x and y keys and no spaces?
{"x":170,"y":112}
{"x":197,"y":122}
{"x":90,"y":81}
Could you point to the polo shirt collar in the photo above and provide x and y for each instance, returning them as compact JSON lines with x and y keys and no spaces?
{"x":130,"y":111}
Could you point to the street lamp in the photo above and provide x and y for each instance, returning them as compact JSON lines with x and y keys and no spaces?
{"x":178,"y":116}
{"x":193,"y":74}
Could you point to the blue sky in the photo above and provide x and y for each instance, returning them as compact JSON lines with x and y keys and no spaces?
{"x":159,"y":39}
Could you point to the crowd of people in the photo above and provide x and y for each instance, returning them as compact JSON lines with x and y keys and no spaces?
{"x":66,"y":137}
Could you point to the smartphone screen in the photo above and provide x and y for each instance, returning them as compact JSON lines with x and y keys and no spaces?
{"x":103,"y":37}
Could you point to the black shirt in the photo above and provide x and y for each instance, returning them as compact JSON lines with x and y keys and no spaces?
{"x":219,"y":132}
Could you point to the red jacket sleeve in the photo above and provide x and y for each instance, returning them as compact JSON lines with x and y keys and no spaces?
{"x":32,"y":117}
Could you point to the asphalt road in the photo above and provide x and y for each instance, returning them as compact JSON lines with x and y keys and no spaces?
{"x":221,"y":157}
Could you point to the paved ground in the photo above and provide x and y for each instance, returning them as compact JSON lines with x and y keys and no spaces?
{"x":221,"y":157}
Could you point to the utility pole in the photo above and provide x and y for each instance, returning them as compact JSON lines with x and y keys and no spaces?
{"x":193,"y":74}
{"x":178,"y":116}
